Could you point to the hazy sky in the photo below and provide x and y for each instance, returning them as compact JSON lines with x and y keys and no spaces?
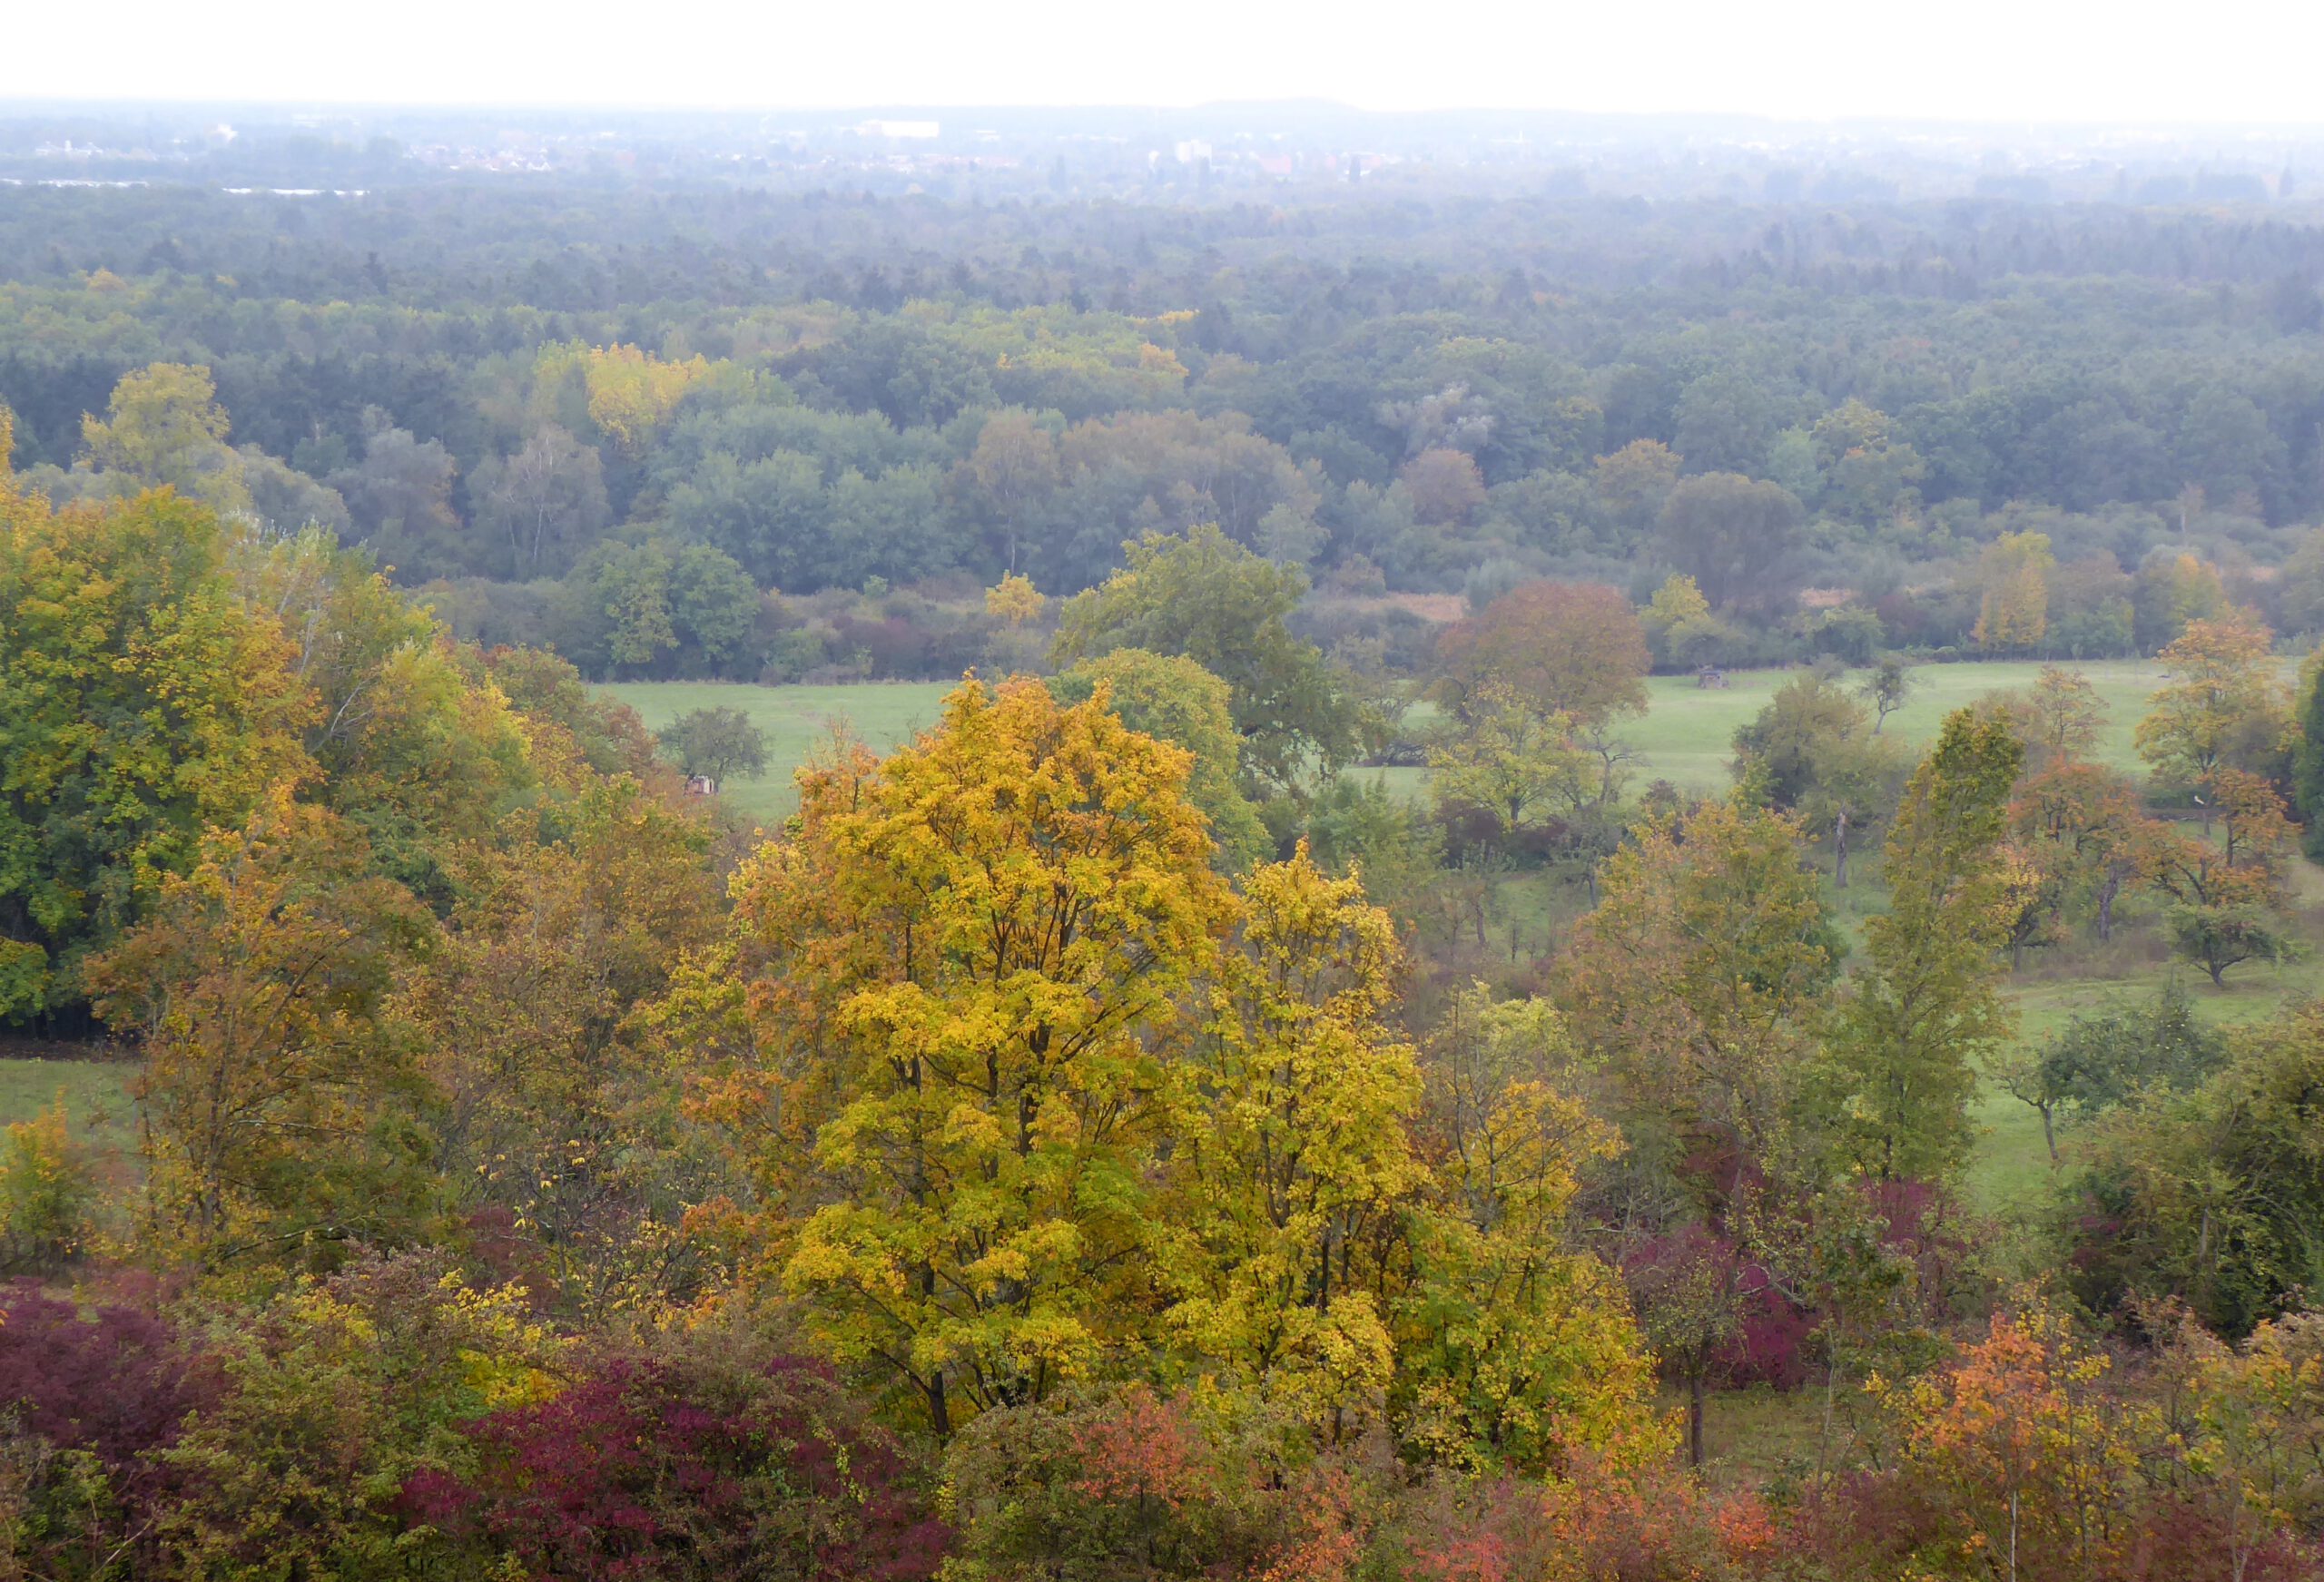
{"x":2014,"y":60}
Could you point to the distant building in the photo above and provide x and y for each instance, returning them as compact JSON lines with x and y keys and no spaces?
{"x":914,"y":130}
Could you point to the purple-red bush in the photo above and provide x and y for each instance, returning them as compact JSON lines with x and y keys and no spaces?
{"x":672,"y":1470}
{"x":116,"y":1382}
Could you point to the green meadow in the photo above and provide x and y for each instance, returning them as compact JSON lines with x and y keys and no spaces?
{"x":1684,"y":736}
{"x":796,"y":721}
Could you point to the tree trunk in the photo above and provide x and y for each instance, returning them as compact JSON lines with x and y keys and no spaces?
{"x":2049,"y":1135}
{"x":2106,"y":906}
{"x":939,"y":1415}
{"x":1840,"y":852}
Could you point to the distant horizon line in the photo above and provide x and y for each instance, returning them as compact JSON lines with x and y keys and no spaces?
{"x":17,"y":103}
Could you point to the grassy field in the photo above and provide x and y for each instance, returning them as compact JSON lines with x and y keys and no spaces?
{"x":95,"y":1094}
{"x":1687,"y":734}
{"x":795,"y":719}
{"x":1684,"y":737}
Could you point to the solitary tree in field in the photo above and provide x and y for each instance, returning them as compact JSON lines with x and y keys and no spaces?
{"x":715,"y":743}
{"x":1887,"y":687}
{"x":2228,"y":896}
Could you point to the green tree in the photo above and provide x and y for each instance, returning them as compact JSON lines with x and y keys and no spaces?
{"x":1207,"y":598}
{"x":545,"y":503}
{"x":1698,"y":981}
{"x":1924,"y":1014}
{"x":715,"y":741}
{"x":1680,"y":629}
{"x":1175,"y":699}
{"x":2308,"y":755}
{"x":2096,"y":1063}
{"x":713,"y":605}
{"x":1813,"y":752}
{"x":2215,"y":1192}
{"x":1887,"y":688}
{"x":142,"y":701}
{"x":1733,"y":534}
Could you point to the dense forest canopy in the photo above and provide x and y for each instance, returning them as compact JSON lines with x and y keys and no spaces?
{"x":1249,"y":1084}
{"x":537,"y":386}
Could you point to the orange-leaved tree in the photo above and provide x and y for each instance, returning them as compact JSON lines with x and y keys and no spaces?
{"x":2024,"y":1465}
{"x":1571,"y":648}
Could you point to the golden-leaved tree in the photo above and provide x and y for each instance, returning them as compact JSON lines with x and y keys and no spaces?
{"x":947,"y":989}
{"x":1293,"y":1165}
{"x":2223,"y":707}
{"x":1515,"y":1350}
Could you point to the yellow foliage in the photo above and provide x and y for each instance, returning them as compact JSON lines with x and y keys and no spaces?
{"x":1013,"y":600}
{"x":2014,"y":572}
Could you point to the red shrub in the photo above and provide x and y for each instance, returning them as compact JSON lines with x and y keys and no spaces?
{"x":117,"y":1382}
{"x":662,"y":1470}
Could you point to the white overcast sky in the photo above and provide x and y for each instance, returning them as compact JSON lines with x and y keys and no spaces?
{"x":2006,"y":60}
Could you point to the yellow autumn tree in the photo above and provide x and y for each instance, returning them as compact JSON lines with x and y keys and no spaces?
{"x":946,"y":993}
{"x":1516,"y":1349}
{"x":2013,"y":577}
{"x":1013,"y":600}
{"x":1519,"y":763}
{"x":164,"y":428}
{"x":2224,"y":706}
{"x":1292,"y":1165}
{"x":630,"y":393}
